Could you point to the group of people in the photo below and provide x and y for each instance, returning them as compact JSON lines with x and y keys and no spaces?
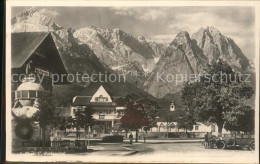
{"x":208,"y":140}
{"x":131,"y":137}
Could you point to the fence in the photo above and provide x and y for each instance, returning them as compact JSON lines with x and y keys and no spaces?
{"x":35,"y":143}
{"x":158,"y":135}
{"x":63,"y":143}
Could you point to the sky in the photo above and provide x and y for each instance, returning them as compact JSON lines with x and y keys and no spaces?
{"x":161,"y":24}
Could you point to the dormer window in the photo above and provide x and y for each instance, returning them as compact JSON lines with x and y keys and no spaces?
{"x":101,"y":99}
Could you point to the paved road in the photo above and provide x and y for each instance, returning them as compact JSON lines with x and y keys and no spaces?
{"x":146,"y":148}
{"x":165,"y":152}
{"x":155,"y":152}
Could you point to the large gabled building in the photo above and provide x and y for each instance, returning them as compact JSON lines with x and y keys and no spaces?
{"x":34,"y":61}
{"x":35,"y":53}
{"x":102,"y":98}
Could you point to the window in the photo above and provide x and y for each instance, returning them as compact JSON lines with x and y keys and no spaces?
{"x":101,"y":99}
{"x":32,"y":93}
{"x":101,"y":116}
{"x":196,"y":127}
{"x":162,"y":125}
{"x":25,"y":94}
{"x":18,"y":94}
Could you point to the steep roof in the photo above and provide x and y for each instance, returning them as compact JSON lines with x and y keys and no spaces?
{"x":26,"y":44}
{"x":23,"y":45}
{"x":85,"y":100}
{"x":167,"y":115}
{"x":113,"y":89}
{"x":81,"y":101}
{"x":121,"y":89}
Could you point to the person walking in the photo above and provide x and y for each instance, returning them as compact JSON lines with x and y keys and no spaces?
{"x":131,"y":138}
{"x":206,"y":144}
{"x":210,"y":140}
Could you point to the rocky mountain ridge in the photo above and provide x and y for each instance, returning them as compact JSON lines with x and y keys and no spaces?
{"x":121,"y":51}
{"x":91,"y":49}
{"x":215,"y":45}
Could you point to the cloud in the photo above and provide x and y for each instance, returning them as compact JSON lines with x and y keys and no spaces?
{"x":152,"y":15}
{"x":145,"y":14}
{"x":164,"y":23}
{"x":49,"y":12}
{"x":191,"y":22}
{"x":123,"y":11}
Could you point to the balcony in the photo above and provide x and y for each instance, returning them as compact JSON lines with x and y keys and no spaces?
{"x":106,"y":117}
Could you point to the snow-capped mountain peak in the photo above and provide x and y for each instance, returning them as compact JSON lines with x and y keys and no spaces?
{"x":34,"y":19}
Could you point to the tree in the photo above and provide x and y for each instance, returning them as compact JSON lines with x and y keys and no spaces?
{"x":186,"y":121}
{"x":241,"y":122}
{"x":117,"y":128}
{"x":99,"y":129}
{"x":218,"y":95}
{"x":140,"y":111}
{"x":83,"y":119}
{"x":55,"y":122}
{"x":45,"y":114}
{"x":61,"y":123}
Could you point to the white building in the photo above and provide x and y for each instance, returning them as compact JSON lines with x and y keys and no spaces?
{"x":167,"y":122}
{"x":107,"y":113}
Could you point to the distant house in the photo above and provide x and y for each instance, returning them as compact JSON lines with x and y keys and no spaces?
{"x":167,"y":119}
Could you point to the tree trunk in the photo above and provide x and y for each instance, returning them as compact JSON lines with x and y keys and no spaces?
{"x":136,"y":136}
{"x":41,"y":133}
{"x":167,"y":134}
{"x":85,"y":135}
{"x":77,"y":134}
{"x":43,"y":137}
{"x":220,"y":127}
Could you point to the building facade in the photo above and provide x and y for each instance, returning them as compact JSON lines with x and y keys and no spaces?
{"x":107,"y":113}
{"x":34,"y":59}
{"x":35,"y":54}
{"x":167,"y":122}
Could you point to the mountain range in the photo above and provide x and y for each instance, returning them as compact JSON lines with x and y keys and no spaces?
{"x":91,"y":50}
